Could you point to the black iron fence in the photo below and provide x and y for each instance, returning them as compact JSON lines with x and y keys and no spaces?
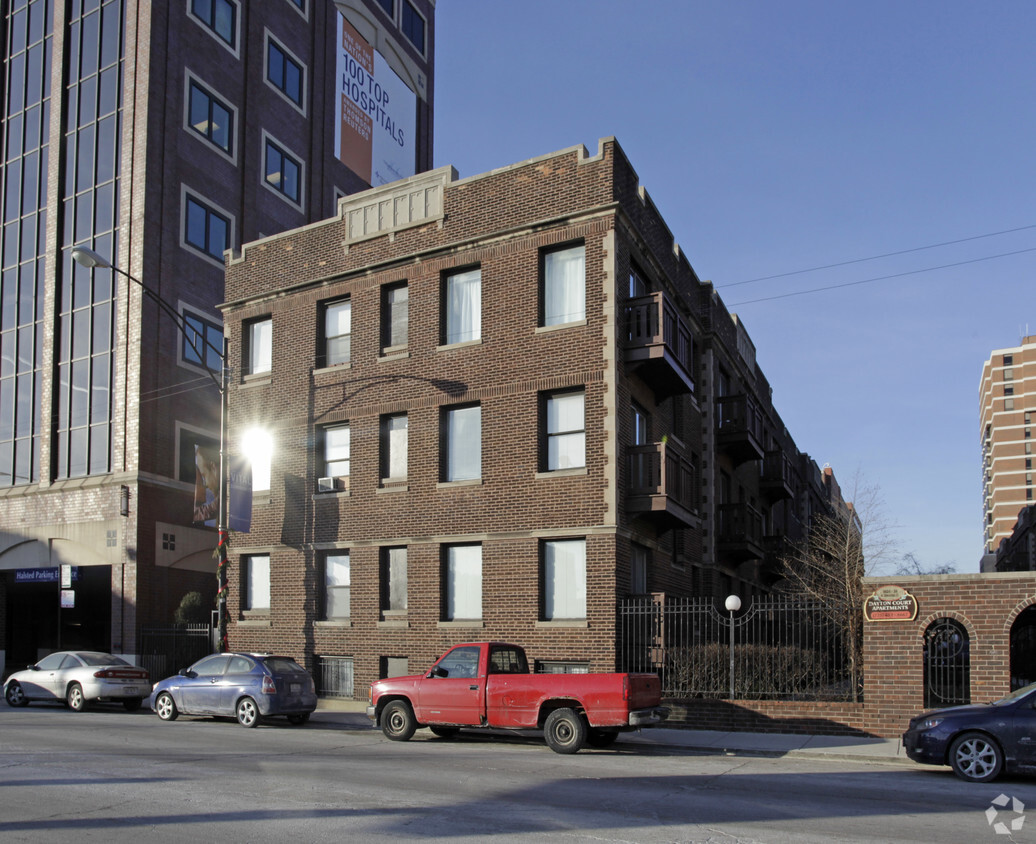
{"x":165,"y":650}
{"x":783,"y":648}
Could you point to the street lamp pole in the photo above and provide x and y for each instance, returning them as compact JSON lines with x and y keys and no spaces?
{"x":733,"y":604}
{"x":86,"y":257}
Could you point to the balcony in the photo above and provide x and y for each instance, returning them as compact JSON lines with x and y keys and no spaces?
{"x":663,"y":486}
{"x":658,"y":344}
{"x":738,"y":429}
{"x":777,"y":480}
{"x":740,"y":533}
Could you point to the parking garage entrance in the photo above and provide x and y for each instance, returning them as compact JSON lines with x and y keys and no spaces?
{"x":41,"y":616}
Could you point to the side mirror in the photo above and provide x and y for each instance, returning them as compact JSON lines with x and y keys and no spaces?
{"x":33,"y":667}
{"x":439,"y":671}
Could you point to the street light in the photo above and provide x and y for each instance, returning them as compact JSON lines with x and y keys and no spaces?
{"x":87,"y":257}
{"x":733,"y":604}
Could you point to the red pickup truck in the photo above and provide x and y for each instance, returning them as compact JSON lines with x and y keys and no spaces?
{"x":488,"y":684}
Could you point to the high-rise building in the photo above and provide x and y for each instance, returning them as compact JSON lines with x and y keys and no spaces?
{"x":159,"y":135}
{"x":1007,"y":404}
{"x":500,"y":407}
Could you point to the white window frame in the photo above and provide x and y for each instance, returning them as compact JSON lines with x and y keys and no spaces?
{"x":327,"y":310}
{"x":463,"y":575}
{"x":463,"y":459}
{"x":564,"y":579}
{"x":257,"y":583}
{"x":337,"y":456}
{"x":337,"y":585}
{"x":394,"y":579}
{"x":552,"y":289}
{"x":260,"y":355}
{"x":566,"y":446}
{"x":455,"y":315}
{"x":285,"y":152}
{"x":395,"y":445}
{"x":268,"y":37}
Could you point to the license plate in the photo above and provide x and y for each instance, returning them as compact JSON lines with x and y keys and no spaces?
{"x":296,"y":688}
{"x":133,"y":691}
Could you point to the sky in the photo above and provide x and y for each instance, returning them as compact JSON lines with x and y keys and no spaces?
{"x":776,"y":138}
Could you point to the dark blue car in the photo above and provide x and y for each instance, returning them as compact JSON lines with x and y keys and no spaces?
{"x":979,"y":741}
{"x":245,"y":686}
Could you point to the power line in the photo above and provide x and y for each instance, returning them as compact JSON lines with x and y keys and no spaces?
{"x":880,"y":278}
{"x":877,"y":257}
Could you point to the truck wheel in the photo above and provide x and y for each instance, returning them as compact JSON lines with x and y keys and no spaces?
{"x":397,"y":721}
{"x":601,"y":738}
{"x":565,"y":731}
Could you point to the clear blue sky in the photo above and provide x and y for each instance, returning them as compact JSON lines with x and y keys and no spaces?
{"x":781,"y":136}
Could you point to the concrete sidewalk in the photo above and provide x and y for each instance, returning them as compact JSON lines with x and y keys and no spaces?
{"x":854,"y":748}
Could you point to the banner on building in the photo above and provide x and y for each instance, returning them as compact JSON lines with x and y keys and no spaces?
{"x":240,"y":494}
{"x":376,"y":112}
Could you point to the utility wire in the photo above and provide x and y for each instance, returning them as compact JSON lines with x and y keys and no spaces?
{"x":880,"y":278}
{"x":877,"y":257}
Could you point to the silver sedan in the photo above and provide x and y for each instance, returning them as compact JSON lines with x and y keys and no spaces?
{"x":78,"y":677}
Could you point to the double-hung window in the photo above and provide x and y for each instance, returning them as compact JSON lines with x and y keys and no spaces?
{"x":283,"y":171}
{"x":336,"y":585}
{"x":464,"y":306}
{"x":393,"y":581}
{"x":336,"y":454}
{"x":394,"y":447}
{"x":463,"y":575}
{"x":564,"y":285}
{"x":338,"y":328}
{"x":395,"y":316}
{"x":283,"y":72}
{"x":219,"y":16}
{"x":259,"y":349}
{"x":205,"y":228}
{"x":565,"y":430}
{"x":257,"y":582}
{"x":564,"y":579}
{"x":210,"y":117}
{"x":463,"y":458}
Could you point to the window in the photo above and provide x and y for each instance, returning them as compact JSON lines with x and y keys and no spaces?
{"x":639,"y":556}
{"x":336,"y":455}
{"x":1008,"y":374}
{"x":507,"y":659}
{"x":564,"y":579}
{"x":463,"y":443}
{"x":463,"y":306}
{"x":395,"y":307}
{"x":564,"y":296}
{"x":1008,"y":389}
{"x":202,"y":340}
{"x":257,"y":582}
{"x":257,"y":445}
{"x":393,"y":581}
{"x":638,"y":287}
{"x":220,"y":16}
{"x":1008,"y":360}
{"x":260,"y":346}
{"x":387,"y":7}
{"x":206,"y":229}
{"x":338,"y":320}
{"x":283,"y":72}
{"x":210,"y":117}
{"x":640,"y":425}
{"x":1008,"y":404}
{"x":336,"y":585}
{"x":463,"y":578}
{"x":282,"y":172}
{"x":394,"y":447}
{"x":336,"y":676}
{"x":412,"y":25}
{"x":461,"y":662}
{"x":566,"y":437}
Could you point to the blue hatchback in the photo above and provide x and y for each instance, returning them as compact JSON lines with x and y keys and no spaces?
{"x":245,"y":686}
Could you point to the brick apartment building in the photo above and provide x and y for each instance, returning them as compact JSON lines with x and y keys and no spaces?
{"x":159,"y":135}
{"x":498,"y":405}
{"x":1007,"y":403}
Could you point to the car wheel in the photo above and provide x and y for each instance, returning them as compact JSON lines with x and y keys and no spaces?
{"x":976,"y":757}
{"x":132,"y":704}
{"x":601,"y":738}
{"x":565,"y":731}
{"x":15,"y":695}
{"x":75,"y":698}
{"x":301,"y":718}
{"x":247,"y":712}
{"x":397,"y":721}
{"x":165,"y":707}
{"x":445,"y":732}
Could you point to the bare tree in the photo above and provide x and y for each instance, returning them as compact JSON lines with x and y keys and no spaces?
{"x":830,"y":565}
{"x":912,"y":566}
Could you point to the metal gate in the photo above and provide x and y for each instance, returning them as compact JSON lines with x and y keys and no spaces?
{"x":165,"y":650}
{"x":947,"y":664}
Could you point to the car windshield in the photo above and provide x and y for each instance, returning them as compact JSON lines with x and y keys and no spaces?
{"x":101,"y":659}
{"x":1015,"y":695}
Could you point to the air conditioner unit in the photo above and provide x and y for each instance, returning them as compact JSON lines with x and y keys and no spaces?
{"x":325,"y":484}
